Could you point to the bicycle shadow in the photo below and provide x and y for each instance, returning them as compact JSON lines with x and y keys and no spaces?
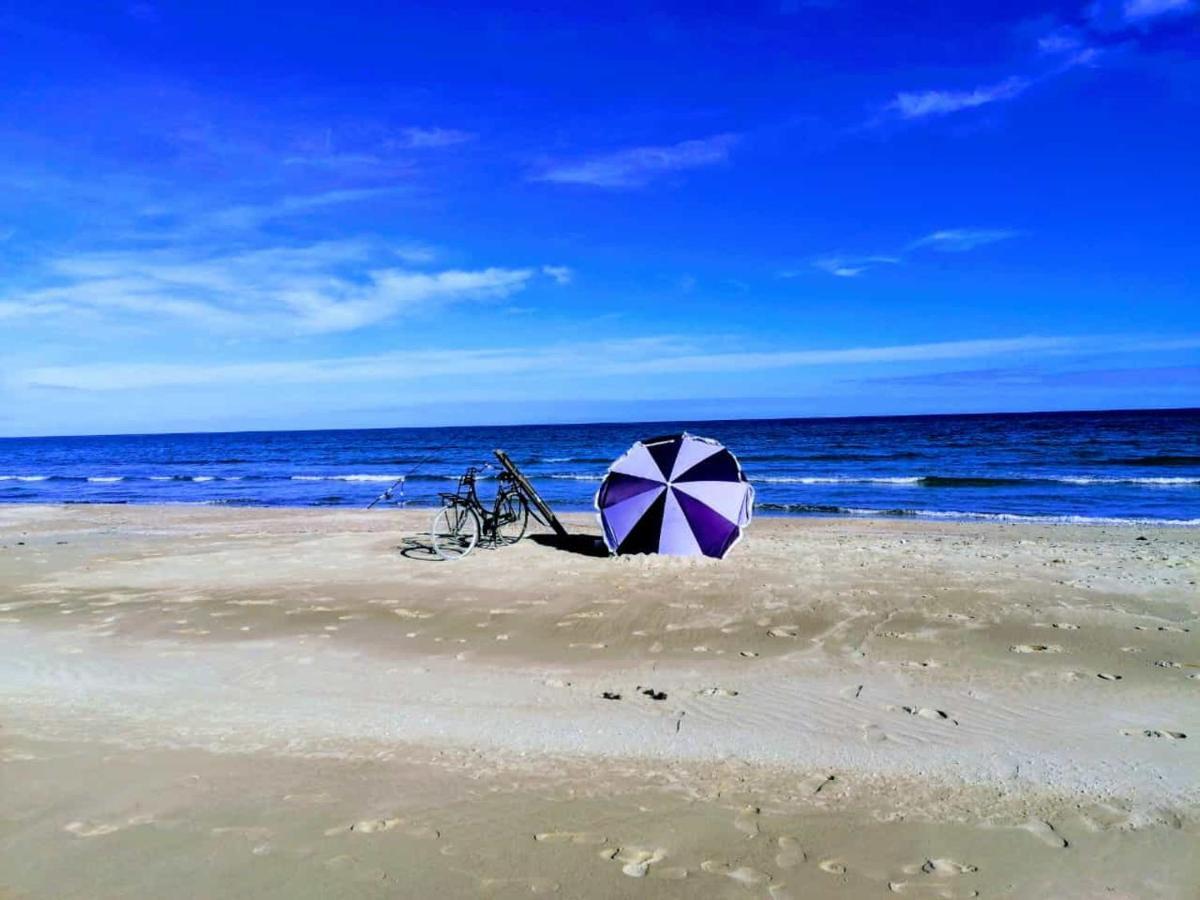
{"x":418,"y":548}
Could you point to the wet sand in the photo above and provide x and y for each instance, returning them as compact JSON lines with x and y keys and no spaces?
{"x":300,"y":703}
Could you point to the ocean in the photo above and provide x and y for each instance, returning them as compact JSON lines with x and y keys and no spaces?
{"x":1101,"y":467}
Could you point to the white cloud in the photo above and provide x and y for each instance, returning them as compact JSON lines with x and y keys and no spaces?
{"x":1062,"y":40}
{"x":922,"y":104}
{"x":852,"y":267}
{"x":638,"y":166}
{"x":1112,"y":15}
{"x":428,"y":138}
{"x":948,"y":240}
{"x":561,"y":274}
{"x":328,"y":287}
{"x":246,"y":216}
{"x":1139,"y":10}
{"x":958,"y":240}
{"x":634,"y":357}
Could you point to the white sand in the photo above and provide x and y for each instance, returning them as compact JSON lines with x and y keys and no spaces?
{"x":848,"y":705}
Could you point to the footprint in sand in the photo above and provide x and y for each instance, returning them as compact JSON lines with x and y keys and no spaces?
{"x":749,"y":654}
{"x":366,"y":826}
{"x":790,"y":852}
{"x":637,"y":860}
{"x":1044,"y":832}
{"x":873,"y":734}
{"x":1109,"y":676}
{"x":90,"y":829}
{"x":783,"y":631}
{"x":1035,"y":648}
{"x":746,"y":821}
{"x":941,"y":867}
{"x":1153,"y":733}
{"x":832,"y":866}
{"x":1167,"y":664}
{"x":742,"y":874}
{"x":569,"y":837}
{"x":925,"y":889}
{"x":926,"y":712}
{"x":717,"y":692}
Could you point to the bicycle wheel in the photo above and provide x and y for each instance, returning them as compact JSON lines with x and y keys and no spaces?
{"x":512,"y":517}
{"x":455,"y":531}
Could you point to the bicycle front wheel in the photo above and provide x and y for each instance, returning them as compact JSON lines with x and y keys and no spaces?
{"x":512,"y":517}
{"x":455,"y":531}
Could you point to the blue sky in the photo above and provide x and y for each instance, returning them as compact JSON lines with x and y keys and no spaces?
{"x":218,"y":216}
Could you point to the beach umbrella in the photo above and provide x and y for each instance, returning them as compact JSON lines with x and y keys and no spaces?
{"x":679,"y":494}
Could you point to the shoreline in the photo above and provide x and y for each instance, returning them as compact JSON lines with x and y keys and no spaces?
{"x":844,"y":515}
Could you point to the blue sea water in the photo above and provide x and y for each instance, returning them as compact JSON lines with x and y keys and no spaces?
{"x":1093,"y":466}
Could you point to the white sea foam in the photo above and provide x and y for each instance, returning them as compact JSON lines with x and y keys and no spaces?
{"x":1098,"y":479}
{"x":105,"y":479}
{"x":347,"y":477}
{"x":835,"y":479}
{"x":1009,"y":480}
{"x":1014,"y":517}
{"x":24,"y":477}
{"x":570,"y":477}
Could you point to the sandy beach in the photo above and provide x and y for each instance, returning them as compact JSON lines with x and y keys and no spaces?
{"x":206,"y":702}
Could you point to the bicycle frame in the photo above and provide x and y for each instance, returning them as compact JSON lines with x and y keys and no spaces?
{"x":468,"y":496}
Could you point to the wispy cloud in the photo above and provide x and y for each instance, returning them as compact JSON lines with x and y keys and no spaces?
{"x":329,"y":287}
{"x":430,"y":138}
{"x":247,"y":216}
{"x":1110,"y":15}
{"x":948,"y":240}
{"x":1064,"y":39}
{"x":561,"y":274}
{"x":637,"y":166}
{"x":959,"y":240}
{"x":852,"y":267}
{"x":634,"y":357}
{"x":923,"y":104}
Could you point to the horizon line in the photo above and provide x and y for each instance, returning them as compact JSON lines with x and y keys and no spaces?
{"x":816,"y":418}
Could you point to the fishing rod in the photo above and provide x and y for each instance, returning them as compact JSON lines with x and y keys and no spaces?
{"x":399,"y":482}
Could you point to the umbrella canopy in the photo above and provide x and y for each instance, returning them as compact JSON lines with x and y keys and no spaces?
{"x":680,"y":494}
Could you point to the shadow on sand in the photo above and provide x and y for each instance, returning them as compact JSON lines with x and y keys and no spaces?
{"x":582,"y":544}
{"x":418,"y":548}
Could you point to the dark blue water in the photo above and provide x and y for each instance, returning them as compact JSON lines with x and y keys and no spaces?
{"x":1080,"y":466}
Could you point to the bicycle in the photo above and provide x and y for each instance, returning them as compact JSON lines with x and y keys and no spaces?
{"x":463,"y":519}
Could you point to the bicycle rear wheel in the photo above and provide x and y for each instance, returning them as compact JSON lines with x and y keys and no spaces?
{"x":455,"y":531}
{"x":512,"y":518}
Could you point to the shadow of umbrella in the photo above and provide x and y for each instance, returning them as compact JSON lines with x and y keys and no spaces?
{"x":581,"y":544}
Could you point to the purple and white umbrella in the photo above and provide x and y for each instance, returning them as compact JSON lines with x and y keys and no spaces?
{"x":680,"y":494}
